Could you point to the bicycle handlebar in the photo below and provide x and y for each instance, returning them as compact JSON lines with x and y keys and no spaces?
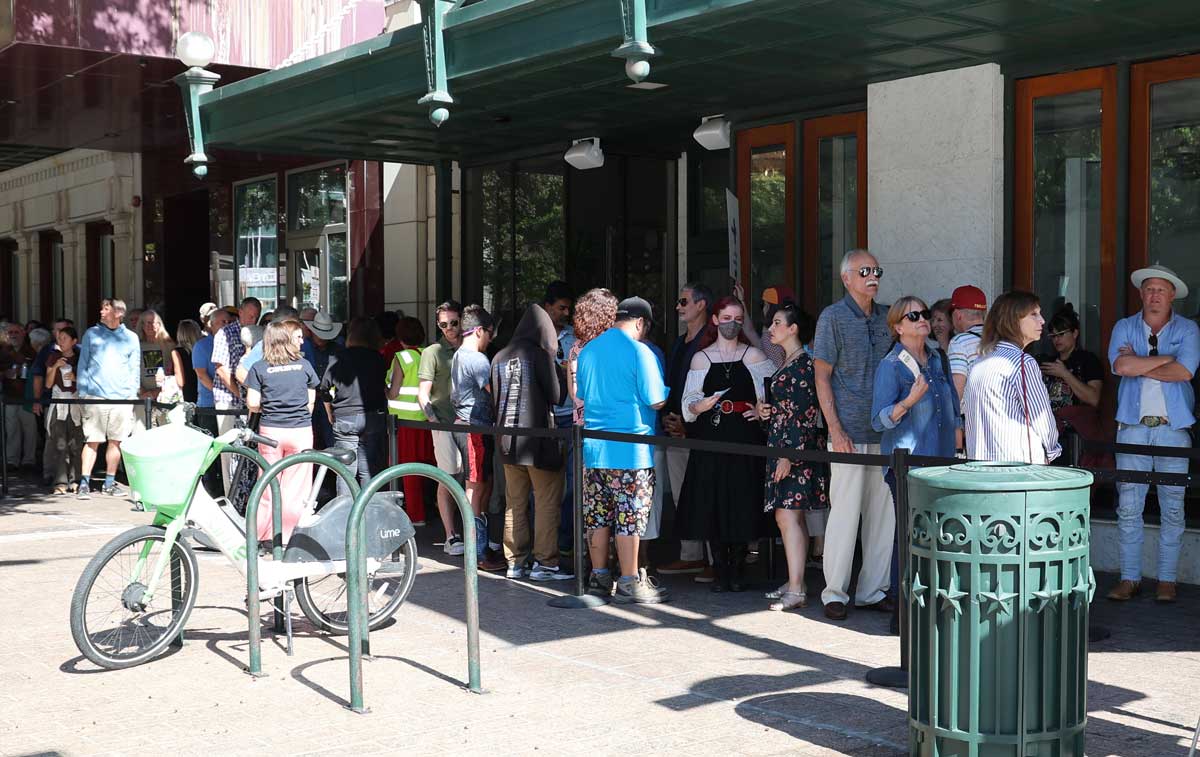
{"x":260,"y":439}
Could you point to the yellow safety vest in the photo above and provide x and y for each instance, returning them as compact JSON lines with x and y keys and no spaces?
{"x":405,"y":406}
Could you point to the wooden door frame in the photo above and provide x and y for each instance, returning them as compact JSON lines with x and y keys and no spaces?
{"x":1027,"y":90}
{"x":1143,"y":76}
{"x":748,"y":140}
{"x":816,"y":129}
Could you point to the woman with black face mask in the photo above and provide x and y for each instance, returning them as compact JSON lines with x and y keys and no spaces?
{"x":722,"y":496}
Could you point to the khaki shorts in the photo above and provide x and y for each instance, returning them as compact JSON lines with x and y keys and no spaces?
{"x":446,"y":453}
{"x":103,"y":423}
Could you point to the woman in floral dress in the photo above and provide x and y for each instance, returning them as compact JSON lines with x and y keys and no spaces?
{"x":792,"y":418}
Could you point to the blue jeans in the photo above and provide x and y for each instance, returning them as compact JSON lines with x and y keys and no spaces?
{"x":364,"y":434}
{"x":1132,"y":499}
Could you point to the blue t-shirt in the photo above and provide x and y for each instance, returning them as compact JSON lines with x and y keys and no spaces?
{"x":253,"y":356}
{"x":202,"y":359}
{"x":110,"y":363}
{"x":618,"y":380}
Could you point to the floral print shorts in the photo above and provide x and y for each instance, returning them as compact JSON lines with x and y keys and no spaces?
{"x":618,"y":499}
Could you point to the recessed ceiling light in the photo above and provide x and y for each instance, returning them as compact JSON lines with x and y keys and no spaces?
{"x":385,"y":141}
{"x":647,"y":85}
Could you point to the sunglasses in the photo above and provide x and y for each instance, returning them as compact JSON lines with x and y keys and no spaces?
{"x":683,"y":301}
{"x":1057,"y":334}
{"x":867,"y":270}
{"x":1154,"y":345}
{"x":917,"y":315}
{"x":443,"y":325}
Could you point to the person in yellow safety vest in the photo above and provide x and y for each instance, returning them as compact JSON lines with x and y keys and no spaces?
{"x":413,"y":445}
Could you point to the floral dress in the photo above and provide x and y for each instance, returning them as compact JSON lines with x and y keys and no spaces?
{"x":794,"y":425}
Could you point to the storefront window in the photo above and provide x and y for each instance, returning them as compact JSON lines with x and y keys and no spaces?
{"x":256,"y":242}
{"x":1174,"y":220}
{"x":768,"y":219}
{"x":339,"y":276}
{"x":837,"y":210}
{"x":1066,"y":207}
{"x":516,"y":227}
{"x":317,"y":198}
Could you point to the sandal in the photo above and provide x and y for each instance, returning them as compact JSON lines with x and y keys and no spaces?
{"x":777,"y":593}
{"x":790,"y":600}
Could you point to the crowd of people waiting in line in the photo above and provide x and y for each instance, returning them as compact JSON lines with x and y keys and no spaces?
{"x":955,"y":378}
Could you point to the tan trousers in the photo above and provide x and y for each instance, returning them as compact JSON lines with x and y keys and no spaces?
{"x":858,"y":495}
{"x":547,"y":489}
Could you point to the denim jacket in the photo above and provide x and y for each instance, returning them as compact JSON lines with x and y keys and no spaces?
{"x":1180,"y":338}
{"x":928,"y":427}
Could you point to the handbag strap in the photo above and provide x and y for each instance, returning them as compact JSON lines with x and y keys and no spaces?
{"x":1025,"y":408}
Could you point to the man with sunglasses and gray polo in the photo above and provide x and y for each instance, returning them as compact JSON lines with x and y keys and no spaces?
{"x":433,"y":395}
{"x":1155,"y":352}
{"x":852,"y":339}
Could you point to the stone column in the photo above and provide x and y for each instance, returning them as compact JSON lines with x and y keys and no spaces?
{"x":23,"y":290}
{"x":935,"y":182}
{"x":74,"y":273}
{"x":127,"y":259}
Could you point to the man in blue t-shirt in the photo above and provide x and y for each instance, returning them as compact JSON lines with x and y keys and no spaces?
{"x":621,"y":385}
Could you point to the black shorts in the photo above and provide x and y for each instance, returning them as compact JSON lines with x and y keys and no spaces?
{"x":476,"y":451}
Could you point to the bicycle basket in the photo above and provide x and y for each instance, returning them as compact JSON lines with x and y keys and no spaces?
{"x":162,"y":463}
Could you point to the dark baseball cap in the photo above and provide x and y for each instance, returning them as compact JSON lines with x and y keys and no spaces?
{"x":635,"y":307}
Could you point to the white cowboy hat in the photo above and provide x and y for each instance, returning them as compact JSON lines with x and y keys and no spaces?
{"x":323,"y":325}
{"x":1157,"y":271}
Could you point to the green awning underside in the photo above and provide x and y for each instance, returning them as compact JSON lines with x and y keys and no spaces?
{"x":530,"y":73}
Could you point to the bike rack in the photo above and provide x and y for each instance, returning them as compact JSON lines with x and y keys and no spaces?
{"x":270,"y":476}
{"x":356,"y":574}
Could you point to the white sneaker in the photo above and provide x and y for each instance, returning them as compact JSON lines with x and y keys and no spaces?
{"x":545,"y":573}
{"x":515,"y":571}
{"x":454,"y":546}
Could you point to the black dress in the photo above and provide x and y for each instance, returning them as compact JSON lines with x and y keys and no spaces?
{"x":722,"y":495}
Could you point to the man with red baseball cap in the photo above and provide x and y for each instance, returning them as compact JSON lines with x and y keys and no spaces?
{"x":968,"y":308}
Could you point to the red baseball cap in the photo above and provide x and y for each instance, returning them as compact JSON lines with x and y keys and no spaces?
{"x":968,"y":298}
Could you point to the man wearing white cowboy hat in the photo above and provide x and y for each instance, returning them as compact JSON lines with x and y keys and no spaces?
{"x":319,"y":345}
{"x":1155,"y":352}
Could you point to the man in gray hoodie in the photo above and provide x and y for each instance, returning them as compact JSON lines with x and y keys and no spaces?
{"x":527,"y":383}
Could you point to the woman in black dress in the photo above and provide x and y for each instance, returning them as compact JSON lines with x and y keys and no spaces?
{"x":792,"y":418}
{"x":721,"y":498}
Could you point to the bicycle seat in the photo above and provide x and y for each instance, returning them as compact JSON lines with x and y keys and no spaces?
{"x":341,"y":454}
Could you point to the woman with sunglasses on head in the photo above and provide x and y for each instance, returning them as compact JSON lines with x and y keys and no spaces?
{"x":720,"y":498}
{"x":1074,"y":379}
{"x":792,"y":416}
{"x":914,"y":405}
{"x":1006,"y":408}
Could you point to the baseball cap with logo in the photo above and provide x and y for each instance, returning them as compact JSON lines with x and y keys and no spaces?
{"x":968,"y":298}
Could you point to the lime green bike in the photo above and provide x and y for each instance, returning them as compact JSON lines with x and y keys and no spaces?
{"x":134,"y":597}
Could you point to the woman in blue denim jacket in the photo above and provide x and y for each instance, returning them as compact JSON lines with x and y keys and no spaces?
{"x":914,"y":404}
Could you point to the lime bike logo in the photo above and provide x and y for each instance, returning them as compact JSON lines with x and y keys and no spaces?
{"x":390,"y":533}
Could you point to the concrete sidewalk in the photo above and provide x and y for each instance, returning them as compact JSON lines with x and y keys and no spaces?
{"x":707,"y":674}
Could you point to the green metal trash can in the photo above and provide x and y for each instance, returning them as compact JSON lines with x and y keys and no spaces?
{"x":998,"y":584}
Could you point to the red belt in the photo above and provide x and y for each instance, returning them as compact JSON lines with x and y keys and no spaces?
{"x":729,"y":406}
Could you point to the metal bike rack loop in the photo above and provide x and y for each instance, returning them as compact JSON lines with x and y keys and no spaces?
{"x":356,"y":574}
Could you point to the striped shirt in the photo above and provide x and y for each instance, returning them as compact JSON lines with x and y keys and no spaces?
{"x":1006,"y":418}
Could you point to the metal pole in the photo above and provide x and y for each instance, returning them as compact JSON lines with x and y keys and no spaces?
{"x":4,"y":447}
{"x":148,"y":411}
{"x":581,"y":598}
{"x":893,"y":677}
{"x":356,"y":573}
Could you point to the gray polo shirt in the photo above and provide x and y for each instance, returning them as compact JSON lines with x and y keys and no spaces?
{"x":854,"y":343}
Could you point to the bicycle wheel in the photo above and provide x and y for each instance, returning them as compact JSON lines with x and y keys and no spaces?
{"x":323,"y":598}
{"x":112,"y":624}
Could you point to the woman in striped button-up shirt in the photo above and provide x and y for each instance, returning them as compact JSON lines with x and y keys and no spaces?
{"x":1005,"y":404}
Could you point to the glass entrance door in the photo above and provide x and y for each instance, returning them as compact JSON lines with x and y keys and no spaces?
{"x":1064,"y":236}
{"x":766,"y":208}
{"x":835,"y":202}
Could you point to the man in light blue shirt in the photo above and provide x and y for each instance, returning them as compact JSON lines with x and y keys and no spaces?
{"x":621,"y":385}
{"x":1155,"y":352}
{"x":110,"y":368}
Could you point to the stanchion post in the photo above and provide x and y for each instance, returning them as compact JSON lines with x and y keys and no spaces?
{"x":580,"y":598}
{"x":3,"y":447}
{"x":148,"y":411}
{"x":393,"y":440}
{"x":897,"y":677}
